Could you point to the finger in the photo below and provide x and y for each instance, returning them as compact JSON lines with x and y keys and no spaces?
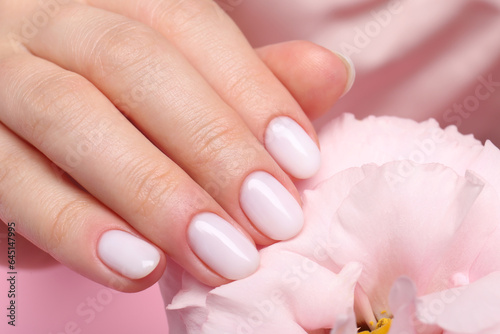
{"x":176,"y":108}
{"x":76,"y":127}
{"x":218,"y":50}
{"x":69,"y":224}
{"x":315,"y":76}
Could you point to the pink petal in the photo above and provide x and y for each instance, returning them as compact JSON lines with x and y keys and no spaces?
{"x":489,"y":258}
{"x":405,"y":226}
{"x":493,"y":330}
{"x":185,"y":298}
{"x":471,"y":309}
{"x":346,"y":324}
{"x":402,"y":303}
{"x":288,"y":289}
{"x":437,"y":225}
{"x":487,"y":165}
{"x":403,"y":292}
{"x":347,"y":142}
{"x":313,"y":241}
{"x":479,"y":228}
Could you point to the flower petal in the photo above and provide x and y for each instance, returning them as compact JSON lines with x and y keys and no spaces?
{"x":402,"y":303}
{"x":486,"y":165}
{"x":471,"y":309}
{"x":288,"y":289}
{"x":346,"y":324}
{"x":407,"y":226}
{"x":347,"y":142}
{"x":439,"y":226}
{"x":185,"y":298}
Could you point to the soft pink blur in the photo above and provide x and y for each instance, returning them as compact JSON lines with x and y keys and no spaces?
{"x":416,"y":59}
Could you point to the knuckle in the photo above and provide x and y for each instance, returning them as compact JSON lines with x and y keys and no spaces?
{"x":150,"y":185}
{"x":183,"y":16}
{"x":55,"y":100}
{"x":110,"y":42}
{"x":244,"y":86}
{"x":221,"y":153}
{"x":66,"y":221}
{"x":124,"y":44}
{"x":211,"y":139}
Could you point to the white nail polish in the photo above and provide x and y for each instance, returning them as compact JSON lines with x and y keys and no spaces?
{"x":270,"y":207}
{"x":292,"y":147}
{"x":222,"y":247}
{"x":351,"y":71}
{"x":127,"y":254}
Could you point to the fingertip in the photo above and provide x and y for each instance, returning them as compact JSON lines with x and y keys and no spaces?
{"x":350,"y":69}
{"x":270,"y":206}
{"x":222,"y":247}
{"x":126,"y":262}
{"x":292,"y":147}
{"x":315,"y":76}
{"x":128,"y":255}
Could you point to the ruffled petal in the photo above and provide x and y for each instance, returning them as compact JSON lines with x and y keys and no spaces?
{"x":185,"y":298}
{"x":381,"y":205}
{"x":347,"y":142}
{"x":402,"y":299}
{"x":489,"y":258}
{"x":487,"y":165}
{"x":346,"y":324}
{"x":313,"y":241}
{"x":395,"y":225}
{"x":290,"y":294}
{"x":288,"y":290}
{"x":471,"y":309}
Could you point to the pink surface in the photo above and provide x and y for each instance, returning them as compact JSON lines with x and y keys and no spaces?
{"x":51,"y":299}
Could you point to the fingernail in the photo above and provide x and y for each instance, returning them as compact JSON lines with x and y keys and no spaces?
{"x":127,"y":254}
{"x":292,"y":147}
{"x":351,"y":71}
{"x":270,"y":207}
{"x":222,"y":247}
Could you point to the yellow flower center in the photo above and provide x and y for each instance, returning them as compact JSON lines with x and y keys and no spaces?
{"x":383,"y":326}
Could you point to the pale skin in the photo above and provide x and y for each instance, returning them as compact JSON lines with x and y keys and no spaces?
{"x":137,"y":115}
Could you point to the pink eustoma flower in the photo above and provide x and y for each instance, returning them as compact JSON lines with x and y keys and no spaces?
{"x":402,"y":223}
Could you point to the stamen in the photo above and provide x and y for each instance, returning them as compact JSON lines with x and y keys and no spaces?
{"x":383,"y":327}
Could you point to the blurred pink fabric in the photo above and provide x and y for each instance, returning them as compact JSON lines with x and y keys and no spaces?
{"x":415,"y":58}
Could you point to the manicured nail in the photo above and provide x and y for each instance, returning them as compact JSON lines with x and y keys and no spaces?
{"x":270,"y":207}
{"x":351,"y":71}
{"x":127,"y":254}
{"x":222,"y":247}
{"x":292,"y":147}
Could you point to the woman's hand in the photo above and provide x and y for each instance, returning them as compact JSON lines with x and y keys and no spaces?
{"x":175,"y":136}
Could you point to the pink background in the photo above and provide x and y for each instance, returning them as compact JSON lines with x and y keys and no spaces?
{"x":51,"y":299}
